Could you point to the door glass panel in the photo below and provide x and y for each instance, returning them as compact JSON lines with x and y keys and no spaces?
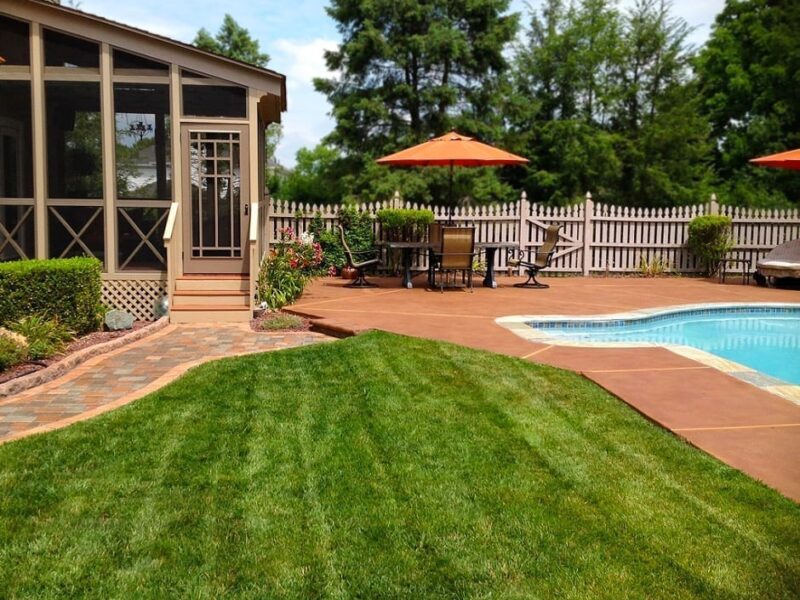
{"x":215,"y":181}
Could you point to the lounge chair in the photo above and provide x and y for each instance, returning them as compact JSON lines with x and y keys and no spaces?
{"x":541,"y":260}
{"x":355,"y":260}
{"x":457,"y":254}
{"x":782,"y":261}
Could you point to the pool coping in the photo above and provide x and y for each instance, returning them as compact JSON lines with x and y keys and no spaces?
{"x":519,"y":325}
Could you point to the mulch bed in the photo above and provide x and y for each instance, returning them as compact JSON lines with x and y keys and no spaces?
{"x":256,"y":323}
{"x":90,"y":339}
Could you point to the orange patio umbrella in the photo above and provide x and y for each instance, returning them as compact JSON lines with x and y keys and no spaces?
{"x":782,"y":160}
{"x":451,"y":150}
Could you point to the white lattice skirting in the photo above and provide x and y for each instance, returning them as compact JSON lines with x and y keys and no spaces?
{"x":137,"y":296}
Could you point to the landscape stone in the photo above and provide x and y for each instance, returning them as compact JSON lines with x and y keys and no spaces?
{"x":117,"y":320}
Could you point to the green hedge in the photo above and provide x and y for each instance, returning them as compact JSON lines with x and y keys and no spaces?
{"x":405,"y":223}
{"x":69,"y":289}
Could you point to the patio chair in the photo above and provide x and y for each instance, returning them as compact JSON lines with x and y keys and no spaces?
{"x":541,"y":259}
{"x":355,"y":260}
{"x":457,"y":254}
{"x":435,"y":241}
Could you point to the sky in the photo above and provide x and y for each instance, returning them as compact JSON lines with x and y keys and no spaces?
{"x":296,"y":34}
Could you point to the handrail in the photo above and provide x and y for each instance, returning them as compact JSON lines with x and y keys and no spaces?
{"x":172,"y":217}
{"x":252,"y":248}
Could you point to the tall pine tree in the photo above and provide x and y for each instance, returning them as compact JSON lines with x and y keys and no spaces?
{"x":409,"y":70}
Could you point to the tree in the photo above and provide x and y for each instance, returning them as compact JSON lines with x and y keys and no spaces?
{"x":750,"y":85}
{"x":234,"y":41}
{"x":603,"y":101}
{"x":408,"y":70}
{"x":313,"y":179}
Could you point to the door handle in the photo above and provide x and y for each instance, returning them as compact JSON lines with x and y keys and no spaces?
{"x":246,"y":209}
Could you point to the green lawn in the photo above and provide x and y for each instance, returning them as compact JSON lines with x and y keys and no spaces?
{"x":384,"y":466}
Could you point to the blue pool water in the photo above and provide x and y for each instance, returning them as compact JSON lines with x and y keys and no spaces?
{"x":765,"y":339}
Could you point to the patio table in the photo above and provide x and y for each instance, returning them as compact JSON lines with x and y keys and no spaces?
{"x":491,"y":248}
{"x":406,"y":248}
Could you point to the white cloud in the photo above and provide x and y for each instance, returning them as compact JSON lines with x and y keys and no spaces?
{"x":303,"y":60}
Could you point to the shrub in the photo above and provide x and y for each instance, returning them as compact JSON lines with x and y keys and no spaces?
{"x":654,"y":266}
{"x":45,"y":337}
{"x":357,"y":229}
{"x":13,"y":349}
{"x":287,"y":268}
{"x":709,"y":240}
{"x":66,"y":289}
{"x":405,"y":223}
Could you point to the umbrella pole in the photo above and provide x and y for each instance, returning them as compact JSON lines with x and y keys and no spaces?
{"x":450,"y":194}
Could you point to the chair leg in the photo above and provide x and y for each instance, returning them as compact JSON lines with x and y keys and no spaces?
{"x":532,"y":282}
{"x":360,"y":281}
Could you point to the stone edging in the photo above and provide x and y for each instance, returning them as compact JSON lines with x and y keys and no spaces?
{"x":26,"y":382}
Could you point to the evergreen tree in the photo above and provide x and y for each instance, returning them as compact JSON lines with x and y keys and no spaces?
{"x":749,"y":75}
{"x":234,"y":41}
{"x":409,"y":70}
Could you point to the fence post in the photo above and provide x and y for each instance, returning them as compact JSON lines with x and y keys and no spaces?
{"x":396,"y":200}
{"x":713,"y":207}
{"x":523,"y":210}
{"x":588,"y":233}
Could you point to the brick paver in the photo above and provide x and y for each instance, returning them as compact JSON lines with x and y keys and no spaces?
{"x":121,"y":376}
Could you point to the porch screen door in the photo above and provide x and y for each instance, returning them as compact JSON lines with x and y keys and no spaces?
{"x":217,"y":200}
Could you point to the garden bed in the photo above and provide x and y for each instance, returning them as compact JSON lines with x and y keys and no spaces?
{"x":273,"y":322}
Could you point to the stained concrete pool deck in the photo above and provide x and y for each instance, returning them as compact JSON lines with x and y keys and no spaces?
{"x":740,"y":424}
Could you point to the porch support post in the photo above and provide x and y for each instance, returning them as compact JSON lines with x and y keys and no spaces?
{"x":109,"y":146}
{"x":175,"y":251}
{"x":588,"y":233}
{"x":255,"y":158}
{"x":39,"y":142}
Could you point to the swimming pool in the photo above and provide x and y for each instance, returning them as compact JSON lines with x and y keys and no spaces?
{"x":765,"y":338}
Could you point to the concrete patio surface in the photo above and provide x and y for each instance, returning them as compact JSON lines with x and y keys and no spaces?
{"x":740,"y":424}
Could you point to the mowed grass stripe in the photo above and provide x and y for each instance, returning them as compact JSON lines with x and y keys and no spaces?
{"x":384,"y":466}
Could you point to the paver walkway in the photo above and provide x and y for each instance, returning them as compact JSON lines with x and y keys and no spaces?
{"x":111,"y":380}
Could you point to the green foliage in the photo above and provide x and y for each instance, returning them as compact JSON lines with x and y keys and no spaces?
{"x":282,"y":322}
{"x":408,"y":71}
{"x":287,"y":269}
{"x":45,"y":337}
{"x":603,"y":101}
{"x":234,"y":41}
{"x":314,"y":178}
{"x":13,"y":349}
{"x":653,"y":266}
{"x":709,"y":240}
{"x":405,"y":223}
{"x":67,"y":289}
{"x":748,"y":74}
{"x":357,"y":229}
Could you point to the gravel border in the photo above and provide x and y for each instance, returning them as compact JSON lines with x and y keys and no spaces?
{"x":26,"y":382}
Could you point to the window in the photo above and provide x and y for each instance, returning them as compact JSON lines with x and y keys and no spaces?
{"x":74,"y":140}
{"x":16,"y":156}
{"x":15,"y":48}
{"x":144,"y":168}
{"x":123,"y":61}
{"x":214,"y":101}
{"x":62,"y":50}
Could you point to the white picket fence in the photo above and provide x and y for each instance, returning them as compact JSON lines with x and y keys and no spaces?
{"x":595,"y":238}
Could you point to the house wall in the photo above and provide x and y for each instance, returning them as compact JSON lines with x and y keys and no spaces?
{"x":124,"y":231}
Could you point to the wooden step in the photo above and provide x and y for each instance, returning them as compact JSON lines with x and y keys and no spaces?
{"x":205,"y":313}
{"x":182,"y":299}
{"x":206,"y":283}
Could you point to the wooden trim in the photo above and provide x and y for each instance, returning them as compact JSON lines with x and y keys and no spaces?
{"x":16,"y":202}
{"x":75,"y":202}
{"x":71,"y":74}
{"x":174,"y":246}
{"x":222,"y":121}
{"x":160,"y":79}
{"x":8,"y":75}
{"x":146,"y":44}
{"x":136,"y":276}
{"x":39,"y":141}
{"x":109,"y":167}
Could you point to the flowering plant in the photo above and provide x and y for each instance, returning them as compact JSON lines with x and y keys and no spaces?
{"x":289,"y":266}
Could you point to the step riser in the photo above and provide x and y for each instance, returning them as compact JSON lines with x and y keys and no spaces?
{"x":210,"y":316}
{"x":212,"y":285}
{"x":179,"y":301}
